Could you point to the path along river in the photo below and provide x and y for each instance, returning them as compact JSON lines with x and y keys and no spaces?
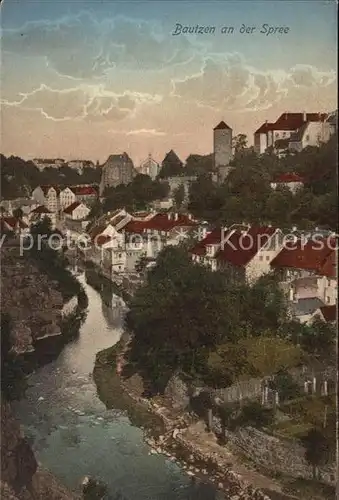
{"x":73,"y":434}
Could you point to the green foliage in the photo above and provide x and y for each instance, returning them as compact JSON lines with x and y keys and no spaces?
{"x":319,"y":338}
{"x":186,"y":317}
{"x":254,"y":414}
{"x":198,"y":165}
{"x":284,"y":383}
{"x":315,"y":205}
{"x":137,"y":195}
{"x":20,"y":177}
{"x":317,"y":449}
{"x":179,"y":195}
{"x":13,"y":382}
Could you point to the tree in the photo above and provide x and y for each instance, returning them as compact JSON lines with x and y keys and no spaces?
{"x":284,"y":383}
{"x":239,"y":143}
{"x":18,"y":213}
{"x":319,"y":338}
{"x":317,"y":449}
{"x":256,"y":415}
{"x":179,"y":195}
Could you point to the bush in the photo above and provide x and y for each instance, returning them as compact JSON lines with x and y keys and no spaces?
{"x":256,"y":415}
{"x":284,"y":383}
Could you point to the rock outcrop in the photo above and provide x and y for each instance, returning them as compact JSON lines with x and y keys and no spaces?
{"x":21,"y":477}
{"x":31,"y":298}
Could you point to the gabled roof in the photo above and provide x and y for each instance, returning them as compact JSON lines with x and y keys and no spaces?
{"x":102,"y":239}
{"x":213,"y":238}
{"x":264,"y":128}
{"x":329,"y":266}
{"x":240,"y":248}
{"x":311,"y":256}
{"x":72,"y":207}
{"x":222,"y":125}
{"x":329,"y":313}
{"x":46,"y":188}
{"x":306,"y":306}
{"x":41,"y":209}
{"x":159,"y":222}
{"x":12,"y":223}
{"x":289,"y":177}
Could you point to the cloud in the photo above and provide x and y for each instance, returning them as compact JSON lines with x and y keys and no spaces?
{"x":147,"y":132}
{"x":227,"y":81}
{"x":88,"y":102}
{"x":81,"y":47}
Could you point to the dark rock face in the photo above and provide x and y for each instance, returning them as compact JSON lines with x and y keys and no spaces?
{"x":21,"y":479}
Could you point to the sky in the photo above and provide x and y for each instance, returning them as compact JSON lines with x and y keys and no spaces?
{"x":84,"y":79}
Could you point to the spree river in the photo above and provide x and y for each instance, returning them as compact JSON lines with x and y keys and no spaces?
{"x":74,"y":435}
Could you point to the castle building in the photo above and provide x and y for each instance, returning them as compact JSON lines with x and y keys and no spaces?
{"x":222,"y":149}
{"x":118,"y":169}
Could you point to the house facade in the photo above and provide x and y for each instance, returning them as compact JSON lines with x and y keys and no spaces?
{"x":66,"y":198}
{"x":47,"y":196}
{"x":308,"y":275}
{"x":245,"y":252}
{"x":76,"y":211}
{"x":278,"y":134}
{"x":118,"y":169}
{"x":40,"y":213}
{"x":292,"y":181}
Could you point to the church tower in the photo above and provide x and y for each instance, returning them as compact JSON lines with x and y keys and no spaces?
{"x":222,"y":149}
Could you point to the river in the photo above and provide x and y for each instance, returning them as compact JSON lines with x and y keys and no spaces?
{"x":74,"y":435}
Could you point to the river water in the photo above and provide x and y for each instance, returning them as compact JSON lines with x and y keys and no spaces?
{"x":74,"y":435}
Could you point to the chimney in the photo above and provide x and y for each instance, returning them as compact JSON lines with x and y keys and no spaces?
{"x":304,"y":117}
{"x":169,"y":216}
{"x":176,"y":216}
{"x":189,"y":216}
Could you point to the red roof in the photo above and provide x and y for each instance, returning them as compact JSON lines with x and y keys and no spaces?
{"x":289,"y":177}
{"x":329,"y":267}
{"x":213,"y":238}
{"x":329,"y":313}
{"x":159,"y":222}
{"x":41,"y":209}
{"x":264,"y":128}
{"x":240,"y":248}
{"x":291,"y":121}
{"x":102,"y":239}
{"x":97,"y":230}
{"x":222,"y":125}
{"x":312,"y":256}
{"x":84,"y":190}
{"x":12,"y":222}
{"x":72,"y":207}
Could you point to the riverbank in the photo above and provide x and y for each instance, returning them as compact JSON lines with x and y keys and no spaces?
{"x":183,"y":439}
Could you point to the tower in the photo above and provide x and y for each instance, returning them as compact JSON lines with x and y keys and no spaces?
{"x":222,"y":149}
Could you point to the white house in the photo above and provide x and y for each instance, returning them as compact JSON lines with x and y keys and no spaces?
{"x":246,"y":252}
{"x":76,"y":211}
{"x":278,"y":134}
{"x":47,"y":196}
{"x":292,"y":181}
{"x":66,"y":198}
{"x":311,"y":134}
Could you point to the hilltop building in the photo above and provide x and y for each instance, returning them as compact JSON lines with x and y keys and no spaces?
{"x":295,"y":131}
{"x":222,"y":149}
{"x":118,"y":169}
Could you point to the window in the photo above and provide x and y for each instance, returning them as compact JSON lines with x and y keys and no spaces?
{"x":261,"y":257}
{"x":284,"y":134}
{"x":328,"y":282}
{"x":328,"y":300}
{"x":119,"y":255}
{"x":307,"y":138}
{"x":276,"y":135}
{"x":267,"y":257}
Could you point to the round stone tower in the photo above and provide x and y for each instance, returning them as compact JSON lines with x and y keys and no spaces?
{"x":222,"y":139}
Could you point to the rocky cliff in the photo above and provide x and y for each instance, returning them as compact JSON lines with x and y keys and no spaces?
{"x":21,"y":476}
{"x":29,"y":297}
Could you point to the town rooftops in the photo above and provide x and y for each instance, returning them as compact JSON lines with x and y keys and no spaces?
{"x":317,"y":256}
{"x":160,"y":222}
{"x":264,"y":128}
{"x":222,"y":126}
{"x":41,"y":209}
{"x":288,"y":177}
{"x":73,"y":206}
{"x":237,"y":247}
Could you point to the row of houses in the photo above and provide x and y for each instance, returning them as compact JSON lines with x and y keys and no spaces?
{"x":56,"y":198}
{"x":304,"y":264}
